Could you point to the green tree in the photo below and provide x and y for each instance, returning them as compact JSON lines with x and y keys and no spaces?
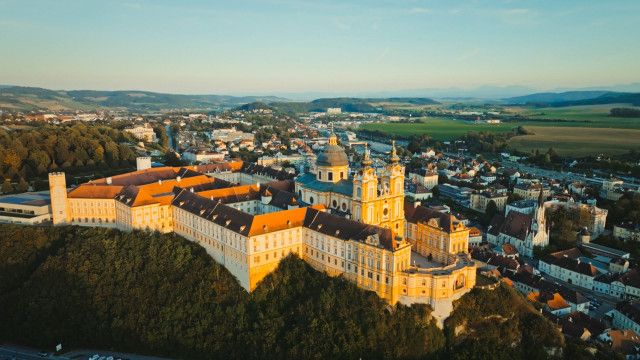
{"x":7,"y":187}
{"x":23,"y":186}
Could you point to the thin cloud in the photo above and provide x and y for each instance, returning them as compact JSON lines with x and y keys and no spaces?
{"x":419,"y":10}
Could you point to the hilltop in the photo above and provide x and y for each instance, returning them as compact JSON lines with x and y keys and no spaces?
{"x":161,"y":294}
{"x":350,"y":104}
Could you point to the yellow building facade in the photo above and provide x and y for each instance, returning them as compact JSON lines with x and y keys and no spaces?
{"x":250,"y":228}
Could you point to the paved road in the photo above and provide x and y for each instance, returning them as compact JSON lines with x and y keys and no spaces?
{"x":9,"y":352}
{"x":20,"y":353}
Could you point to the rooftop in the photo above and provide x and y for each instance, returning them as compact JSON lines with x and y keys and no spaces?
{"x":309,"y":180}
{"x":32,"y":199}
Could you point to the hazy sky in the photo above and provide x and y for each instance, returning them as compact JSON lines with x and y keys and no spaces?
{"x":286,"y":45}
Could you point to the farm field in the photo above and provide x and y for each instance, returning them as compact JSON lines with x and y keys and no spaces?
{"x":568,"y":138}
{"x":578,"y":141}
{"x":437,"y":128}
{"x":581,"y":116}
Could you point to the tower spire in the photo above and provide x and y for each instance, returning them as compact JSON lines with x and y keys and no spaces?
{"x":541,"y":197}
{"x":333,"y":139}
{"x":394,"y":156}
{"x":366,"y":160}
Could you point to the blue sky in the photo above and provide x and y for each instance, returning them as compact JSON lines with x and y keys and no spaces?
{"x":263,"y":46}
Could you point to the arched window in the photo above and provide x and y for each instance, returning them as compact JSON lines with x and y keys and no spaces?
{"x":341,"y":175}
{"x":310,"y":199}
{"x":335,"y":204}
{"x":330,"y":176}
{"x":319,"y":175}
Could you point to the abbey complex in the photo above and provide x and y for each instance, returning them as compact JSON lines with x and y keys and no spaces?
{"x":354,"y":224}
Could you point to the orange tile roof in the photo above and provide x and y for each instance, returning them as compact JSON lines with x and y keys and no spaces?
{"x":558,"y":302}
{"x":91,"y":191}
{"x":140,"y":177}
{"x":276,"y":221}
{"x":153,"y":193}
{"x":474,"y":231}
{"x":249,"y":191}
{"x":533,"y":296}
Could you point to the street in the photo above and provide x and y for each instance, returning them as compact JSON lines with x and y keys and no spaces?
{"x":10,"y":352}
{"x":21,"y":353}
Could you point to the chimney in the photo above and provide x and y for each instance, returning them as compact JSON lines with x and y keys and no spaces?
{"x":109,"y":180}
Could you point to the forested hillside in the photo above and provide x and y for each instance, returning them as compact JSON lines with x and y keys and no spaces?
{"x":21,"y":98}
{"x":26,"y":154}
{"x":160,"y":294}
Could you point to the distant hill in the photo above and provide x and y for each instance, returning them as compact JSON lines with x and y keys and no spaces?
{"x":349,"y":104}
{"x":609,"y":98}
{"x":20,"y":98}
{"x":256,"y":105}
{"x":556,"y":97}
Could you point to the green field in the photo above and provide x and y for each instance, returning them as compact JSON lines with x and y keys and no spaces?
{"x":572,"y":141}
{"x":437,"y":128}
{"x":580,"y":116}
{"x":568,"y":138}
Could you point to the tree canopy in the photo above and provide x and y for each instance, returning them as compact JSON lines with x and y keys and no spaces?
{"x":27,"y":154}
{"x":160,"y":294}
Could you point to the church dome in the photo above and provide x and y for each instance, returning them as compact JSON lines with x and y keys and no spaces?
{"x":332,"y":155}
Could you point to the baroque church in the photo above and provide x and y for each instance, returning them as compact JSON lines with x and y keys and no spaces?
{"x":368,"y":196}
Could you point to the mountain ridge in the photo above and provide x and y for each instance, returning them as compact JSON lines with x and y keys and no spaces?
{"x":23,"y":98}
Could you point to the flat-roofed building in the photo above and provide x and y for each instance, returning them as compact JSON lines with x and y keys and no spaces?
{"x":26,"y":208}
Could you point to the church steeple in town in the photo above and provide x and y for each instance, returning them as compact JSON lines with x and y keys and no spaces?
{"x":366,"y":159}
{"x":541,"y":197}
{"x":333,"y":139}
{"x":394,"y":156}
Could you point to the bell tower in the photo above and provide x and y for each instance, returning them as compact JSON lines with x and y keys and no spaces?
{"x":58,"y":194}
{"x":365,"y":191}
{"x":393,"y":203}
